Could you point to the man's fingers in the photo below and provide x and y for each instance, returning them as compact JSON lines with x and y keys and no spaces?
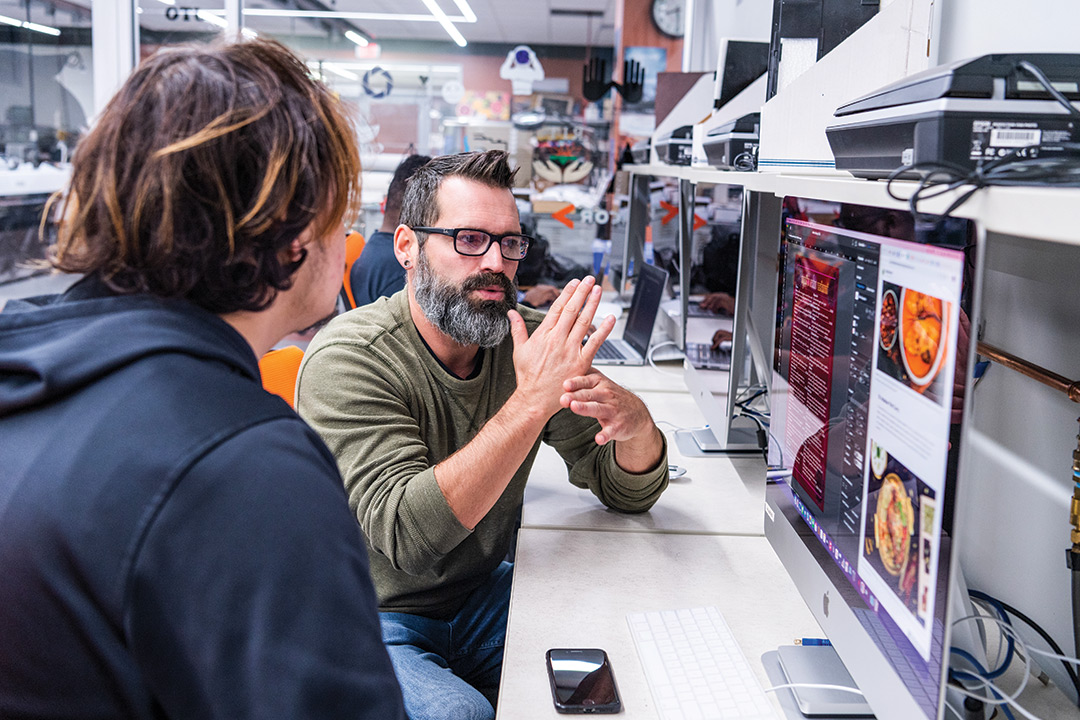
{"x":588,"y":351}
{"x":555,"y":311}
{"x":518,"y":331}
{"x":576,"y":304}
{"x":585,"y":317}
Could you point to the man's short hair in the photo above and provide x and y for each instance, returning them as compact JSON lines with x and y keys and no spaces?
{"x":404,"y":172}
{"x":420,"y":206}
{"x":204,"y":167}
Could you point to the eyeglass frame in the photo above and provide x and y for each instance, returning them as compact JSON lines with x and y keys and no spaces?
{"x":492,"y":238}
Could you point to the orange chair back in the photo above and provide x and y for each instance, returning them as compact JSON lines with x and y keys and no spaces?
{"x":279,"y":369}
{"x":354,"y":245}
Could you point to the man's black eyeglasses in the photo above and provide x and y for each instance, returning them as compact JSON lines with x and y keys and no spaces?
{"x":513,"y":246}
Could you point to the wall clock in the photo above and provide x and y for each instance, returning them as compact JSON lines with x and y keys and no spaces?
{"x":668,"y":16}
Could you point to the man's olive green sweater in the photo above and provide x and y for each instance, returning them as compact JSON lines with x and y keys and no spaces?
{"x":390,"y":412}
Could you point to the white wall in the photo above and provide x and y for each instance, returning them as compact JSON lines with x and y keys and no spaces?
{"x":969,"y":28}
{"x":716,"y":19}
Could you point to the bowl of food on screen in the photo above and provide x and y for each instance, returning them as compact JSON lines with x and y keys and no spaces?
{"x":879,"y":459}
{"x":894,"y":524}
{"x":922,"y":335}
{"x":888,"y":320}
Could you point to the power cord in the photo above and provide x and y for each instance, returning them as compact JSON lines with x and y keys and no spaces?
{"x":1010,"y":610}
{"x":979,"y":676}
{"x":652,"y":363}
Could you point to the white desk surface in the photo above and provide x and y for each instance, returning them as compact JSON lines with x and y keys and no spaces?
{"x":574,"y":588}
{"x":716,"y":495}
{"x":666,"y":377}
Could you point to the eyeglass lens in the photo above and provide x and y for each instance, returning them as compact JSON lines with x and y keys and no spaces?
{"x":475,"y":242}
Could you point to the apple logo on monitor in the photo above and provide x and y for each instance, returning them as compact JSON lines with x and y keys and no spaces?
{"x":825,"y":603}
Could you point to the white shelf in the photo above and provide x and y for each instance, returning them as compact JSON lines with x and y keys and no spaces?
{"x":1040,"y":213}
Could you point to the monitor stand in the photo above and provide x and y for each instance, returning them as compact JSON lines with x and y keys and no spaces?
{"x":818,"y":665}
{"x":700,"y":442}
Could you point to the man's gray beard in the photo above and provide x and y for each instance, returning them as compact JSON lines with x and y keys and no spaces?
{"x":451,"y":310}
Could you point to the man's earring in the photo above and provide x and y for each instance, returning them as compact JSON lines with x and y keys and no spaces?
{"x":406,"y":263}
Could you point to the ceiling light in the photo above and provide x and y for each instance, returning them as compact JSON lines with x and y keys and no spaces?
{"x":445,"y":22}
{"x":167,"y":2}
{"x":463,"y":6}
{"x":29,"y":25}
{"x":344,"y":15}
{"x":340,"y":72}
{"x":356,"y":38}
{"x":393,"y":68}
{"x":211,"y":18}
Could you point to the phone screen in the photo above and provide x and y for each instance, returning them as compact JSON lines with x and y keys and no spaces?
{"x":582,"y":680}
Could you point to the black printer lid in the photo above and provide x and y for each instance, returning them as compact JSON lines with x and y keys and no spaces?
{"x":746,"y":124}
{"x":975,"y":78}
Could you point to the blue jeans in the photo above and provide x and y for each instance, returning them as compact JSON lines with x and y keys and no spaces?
{"x":449,"y":670}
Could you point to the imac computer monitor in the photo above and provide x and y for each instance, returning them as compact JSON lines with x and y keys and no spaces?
{"x":714,"y":278}
{"x":873,"y":341}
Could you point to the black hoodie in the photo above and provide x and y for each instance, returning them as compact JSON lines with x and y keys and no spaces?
{"x":174,"y":541}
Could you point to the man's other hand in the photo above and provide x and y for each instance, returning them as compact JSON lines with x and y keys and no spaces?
{"x":621,"y":414}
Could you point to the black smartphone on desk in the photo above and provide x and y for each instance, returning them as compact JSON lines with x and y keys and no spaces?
{"x":582,"y":681}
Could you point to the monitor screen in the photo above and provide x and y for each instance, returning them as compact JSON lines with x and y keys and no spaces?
{"x":871,"y":348}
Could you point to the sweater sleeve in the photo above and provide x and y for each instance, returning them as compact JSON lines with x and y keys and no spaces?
{"x":248,"y":594}
{"x":593,"y":466}
{"x":385,"y":462}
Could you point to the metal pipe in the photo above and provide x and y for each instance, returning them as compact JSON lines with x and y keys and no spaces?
{"x":1071,"y":388}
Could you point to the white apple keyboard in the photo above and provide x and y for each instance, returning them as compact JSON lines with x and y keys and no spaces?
{"x":694,"y":667}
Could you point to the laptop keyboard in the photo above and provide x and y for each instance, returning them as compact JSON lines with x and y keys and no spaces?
{"x":610,"y":352}
{"x":695,"y":668}
{"x":701,"y":355}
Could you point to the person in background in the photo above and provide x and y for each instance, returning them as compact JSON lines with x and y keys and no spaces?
{"x":377,"y":272}
{"x":435,"y":402}
{"x":176,"y":542}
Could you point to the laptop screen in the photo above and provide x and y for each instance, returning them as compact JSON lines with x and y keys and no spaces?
{"x":643,"y":308}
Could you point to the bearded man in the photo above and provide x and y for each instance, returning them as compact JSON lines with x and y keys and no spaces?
{"x":435,"y":401}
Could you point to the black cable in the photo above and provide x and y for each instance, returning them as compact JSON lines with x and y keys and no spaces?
{"x":1038,"y":74}
{"x":1034,"y":626}
{"x":1010,"y":170}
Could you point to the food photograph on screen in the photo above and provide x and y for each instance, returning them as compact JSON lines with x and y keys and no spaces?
{"x":912,"y":336}
{"x":898,"y":505}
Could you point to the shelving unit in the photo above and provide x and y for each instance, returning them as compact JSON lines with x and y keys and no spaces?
{"x":1041,"y":213}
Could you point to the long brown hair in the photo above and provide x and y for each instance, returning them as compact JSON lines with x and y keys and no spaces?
{"x":203,"y":168}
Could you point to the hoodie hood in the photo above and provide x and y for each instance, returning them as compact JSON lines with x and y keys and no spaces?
{"x":51,"y":346}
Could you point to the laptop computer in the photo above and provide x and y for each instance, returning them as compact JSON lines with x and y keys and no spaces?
{"x":631,"y":348}
{"x":704,"y":357}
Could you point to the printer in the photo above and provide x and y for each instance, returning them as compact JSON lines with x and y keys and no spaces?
{"x":962,"y":113}
{"x":733,"y":145}
{"x":641,"y":151}
{"x":673,"y":148}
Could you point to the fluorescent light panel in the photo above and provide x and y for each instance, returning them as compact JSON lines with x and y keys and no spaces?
{"x":211,"y":18}
{"x":345,"y":15}
{"x":463,"y":6}
{"x":356,"y":38}
{"x":29,"y":25}
{"x":340,"y":71}
{"x":448,"y":26}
